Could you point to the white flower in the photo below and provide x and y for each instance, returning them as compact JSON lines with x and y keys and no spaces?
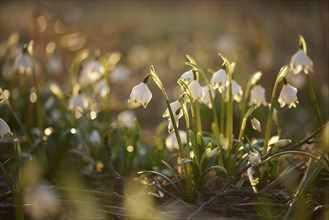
{"x":301,"y":62}
{"x":4,"y":128}
{"x":95,"y":137}
{"x":187,"y":77}
{"x":206,"y":96}
{"x":102,"y":89}
{"x":254,"y":159}
{"x":77,"y":104}
{"x":296,"y":80}
{"x":253,"y":181}
{"x":171,"y":140}
{"x":23,"y":63}
{"x":218,"y":80}
{"x":195,"y":90}
{"x":237,"y":91}
{"x":257,"y":96}
{"x":212,"y":152}
{"x":140,"y":94}
{"x":288,"y":96}
{"x":176,"y":109}
{"x":278,"y":143}
{"x":119,"y":74}
{"x":127,"y":118}
{"x":256,"y":125}
{"x":91,"y":72}
{"x":171,"y":125}
{"x":78,"y":101}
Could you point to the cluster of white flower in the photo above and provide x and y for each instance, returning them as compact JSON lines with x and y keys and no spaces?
{"x":219,"y":80}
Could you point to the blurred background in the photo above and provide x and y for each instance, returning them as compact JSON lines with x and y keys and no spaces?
{"x":258,"y":36}
{"x":127,"y":37}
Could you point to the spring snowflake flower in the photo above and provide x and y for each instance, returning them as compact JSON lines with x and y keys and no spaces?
{"x":171,"y":140}
{"x":102,"y":89}
{"x":288,"y":96}
{"x":127,"y":118}
{"x":256,"y":125}
{"x":187,"y":77}
{"x":206,"y":96}
{"x":195,"y":90}
{"x":171,"y":125}
{"x":218,"y":80}
{"x":275,"y":141}
{"x":237,"y":91}
{"x":254,"y":159}
{"x":140,"y":94}
{"x":4,"y":129}
{"x":23,"y":63}
{"x":257,"y":96}
{"x":78,"y":104}
{"x":91,"y":72}
{"x":176,"y":109}
{"x":177,"y":112}
{"x":301,"y":62}
{"x":80,"y":101}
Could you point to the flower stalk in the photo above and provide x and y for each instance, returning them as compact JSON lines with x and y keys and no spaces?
{"x":282,"y":73}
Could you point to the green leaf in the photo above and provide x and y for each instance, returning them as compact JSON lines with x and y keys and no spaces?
{"x":164,"y":177}
{"x":219,"y":168}
{"x":170,"y":168}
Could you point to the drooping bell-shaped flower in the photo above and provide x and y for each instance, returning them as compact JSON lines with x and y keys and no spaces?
{"x":176,"y":109}
{"x":91,"y":72}
{"x":140,"y":94}
{"x":195,"y":90}
{"x":257,"y":96}
{"x":77,"y":104}
{"x":275,"y":141}
{"x":301,"y":62}
{"x":78,"y":101}
{"x":23,"y":63}
{"x":237,"y":91}
{"x":187,"y":77}
{"x":171,"y":125}
{"x":218,"y":80}
{"x":254,"y":159}
{"x":177,"y":113}
{"x":288,"y":96}
{"x":256,"y":124}
{"x":171,"y":140}
{"x":127,"y":118}
{"x":102,"y":89}
{"x":206,"y":96}
{"x":4,"y":129}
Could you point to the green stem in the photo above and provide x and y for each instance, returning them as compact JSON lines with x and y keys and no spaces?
{"x":283,"y":71}
{"x":198,"y":117}
{"x":298,"y":153}
{"x":244,"y":122}
{"x":229,"y":118}
{"x":313,"y":98}
{"x":251,"y":82}
{"x":222,"y":115}
{"x":158,"y":82}
{"x":19,"y":123}
{"x":214,"y":112}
